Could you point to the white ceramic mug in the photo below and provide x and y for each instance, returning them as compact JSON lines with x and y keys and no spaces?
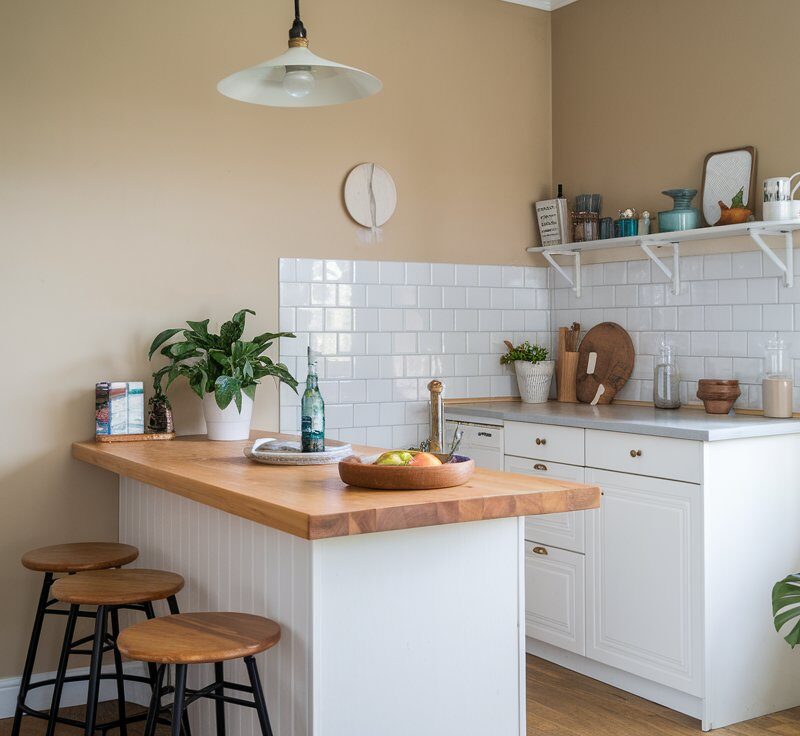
{"x":781,"y":210}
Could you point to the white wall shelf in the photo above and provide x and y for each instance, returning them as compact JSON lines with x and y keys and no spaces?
{"x":647,"y":243}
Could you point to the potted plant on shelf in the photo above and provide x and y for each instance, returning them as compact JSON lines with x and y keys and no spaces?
{"x":534,"y":371}
{"x":223,"y":370}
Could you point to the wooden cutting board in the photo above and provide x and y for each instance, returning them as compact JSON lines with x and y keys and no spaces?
{"x":605,"y":359}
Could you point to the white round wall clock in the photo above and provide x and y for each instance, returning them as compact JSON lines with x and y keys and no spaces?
{"x":370,"y":195}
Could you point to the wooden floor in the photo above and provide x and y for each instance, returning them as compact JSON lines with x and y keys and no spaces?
{"x":560,"y":703}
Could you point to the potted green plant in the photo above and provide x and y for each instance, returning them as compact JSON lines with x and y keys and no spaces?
{"x":222,"y":369}
{"x":786,"y":607}
{"x":534,"y":371}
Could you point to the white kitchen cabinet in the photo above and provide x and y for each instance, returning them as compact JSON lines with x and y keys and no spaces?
{"x":644,"y":579}
{"x":482,"y":442}
{"x":565,"y":530}
{"x":554,"y":596}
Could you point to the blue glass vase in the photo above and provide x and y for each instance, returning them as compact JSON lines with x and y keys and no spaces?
{"x":682,"y":216}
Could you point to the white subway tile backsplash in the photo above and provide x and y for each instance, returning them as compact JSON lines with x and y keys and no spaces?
{"x":513,"y":276}
{"x":366,"y":272}
{"x":746,"y":265}
{"x":746,"y":316}
{"x":454,"y":297}
{"x":762,"y":291}
{"x":443,"y":274}
{"x":418,"y":273}
{"x":308,"y":270}
{"x":384,"y":329}
{"x":379,"y":295}
{"x":390,"y":272}
{"x":404,"y":296}
{"x":467,"y":275}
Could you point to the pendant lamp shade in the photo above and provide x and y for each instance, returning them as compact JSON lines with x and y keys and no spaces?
{"x":299,"y":78}
{"x":265,"y":83}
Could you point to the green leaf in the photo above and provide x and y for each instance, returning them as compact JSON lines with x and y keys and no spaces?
{"x":161,"y":338}
{"x":200,"y":328}
{"x":224,"y":389}
{"x":786,"y":607}
{"x":219,"y":356}
{"x":250,"y":390}
{"x":237,"y":397}
{"x":270,"y":337}
{"x":180,"y":350}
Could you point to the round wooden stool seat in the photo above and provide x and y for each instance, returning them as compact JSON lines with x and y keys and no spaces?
{"x":197,"y":638}
{"x":79,"y":557}
{"x":117,"y":587}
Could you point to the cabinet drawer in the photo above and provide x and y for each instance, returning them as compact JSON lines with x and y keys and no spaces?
{"x":545,"y":442}
{"x":554,"y":597}
{"x":659,"y":457}
{"x":566,"y":530}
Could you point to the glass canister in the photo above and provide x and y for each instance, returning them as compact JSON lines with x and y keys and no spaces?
{"x":666,"y":380}
{"x":777,"y":384}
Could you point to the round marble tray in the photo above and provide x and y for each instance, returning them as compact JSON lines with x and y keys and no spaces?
{"x":271,"y":451}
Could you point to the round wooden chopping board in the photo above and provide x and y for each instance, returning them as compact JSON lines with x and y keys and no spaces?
{"x":605,"y":359}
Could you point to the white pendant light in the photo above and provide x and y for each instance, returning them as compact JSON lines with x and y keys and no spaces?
{"x":299,"y":78}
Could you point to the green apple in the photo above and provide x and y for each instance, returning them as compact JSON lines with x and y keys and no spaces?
{"x":395,"y":457}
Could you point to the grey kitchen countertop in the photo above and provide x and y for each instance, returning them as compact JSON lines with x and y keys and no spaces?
{"x":685,"y":424}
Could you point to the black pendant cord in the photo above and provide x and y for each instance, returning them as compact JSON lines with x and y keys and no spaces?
{"x":298,"y":30}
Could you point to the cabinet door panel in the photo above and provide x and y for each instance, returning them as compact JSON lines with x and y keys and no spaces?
{"x":554,"y":597}
{"x":559,"y":530}
{"x":483,"y":443}
{"x":644,"y":578}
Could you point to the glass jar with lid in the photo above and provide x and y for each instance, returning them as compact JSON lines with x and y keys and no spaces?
{"x":666,"y":380}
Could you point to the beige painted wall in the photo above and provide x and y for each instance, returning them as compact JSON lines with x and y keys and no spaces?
{"x":133,"y":196}
{"x":644,"y":89}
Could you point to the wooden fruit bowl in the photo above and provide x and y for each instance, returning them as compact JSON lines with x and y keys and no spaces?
{"x":360,"y":472}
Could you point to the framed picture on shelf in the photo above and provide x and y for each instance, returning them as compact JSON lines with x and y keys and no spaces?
{"x":729,"y":181}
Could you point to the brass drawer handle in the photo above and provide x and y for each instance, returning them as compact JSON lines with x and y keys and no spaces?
{"x":540,"y":466}
{"x":636,"y":453}
{"x":540,"y":550}
{"x":541,"y":441}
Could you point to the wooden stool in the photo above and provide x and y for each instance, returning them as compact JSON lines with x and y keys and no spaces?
{"x":110,"y":591}
{"x":202,"y":638}
{"x":60,"y":558}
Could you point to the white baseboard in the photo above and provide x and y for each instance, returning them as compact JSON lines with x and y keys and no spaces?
{"x":647,"y":689}
{"x":74,"y":693}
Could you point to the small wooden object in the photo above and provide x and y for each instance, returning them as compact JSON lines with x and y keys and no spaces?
{"x":605,"y":363}
{"x":194,"y":638}
{"x":718,"y":396}
{"x":79,"y":557}
{"x":567,"y":363}
{"x":117,"y":587}
{"x":146,"y":437}
{"x":362,"y":473}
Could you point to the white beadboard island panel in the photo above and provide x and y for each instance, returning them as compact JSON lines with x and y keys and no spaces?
{"x":231,"y":564}
{"x":416,"y":631}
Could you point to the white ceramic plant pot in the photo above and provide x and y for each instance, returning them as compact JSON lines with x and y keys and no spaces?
{"x":228,"y":423}
{"x":534,"y":380}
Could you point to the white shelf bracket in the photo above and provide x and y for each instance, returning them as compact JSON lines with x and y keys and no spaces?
{"x":673,"y":273}
{"x":786,"y":268}
{"x":575,"y":282}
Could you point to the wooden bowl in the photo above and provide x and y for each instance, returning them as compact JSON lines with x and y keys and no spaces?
{"x":718,"y":396}
{"x":360,"y":472}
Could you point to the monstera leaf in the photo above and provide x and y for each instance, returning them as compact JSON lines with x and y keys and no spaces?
{"x":786,"y":607}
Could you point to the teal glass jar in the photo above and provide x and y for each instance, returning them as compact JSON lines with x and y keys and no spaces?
{"x":682,"y":216}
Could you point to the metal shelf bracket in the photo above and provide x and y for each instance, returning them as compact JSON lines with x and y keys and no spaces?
{"x":787,"y":267}
{"x":673,"y":273}
{"x":575,"y":282}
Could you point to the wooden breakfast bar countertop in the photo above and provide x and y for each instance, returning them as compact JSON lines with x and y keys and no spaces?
{"x":311,"y":502}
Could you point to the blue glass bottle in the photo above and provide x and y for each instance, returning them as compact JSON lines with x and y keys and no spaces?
{"x":312,"y":412}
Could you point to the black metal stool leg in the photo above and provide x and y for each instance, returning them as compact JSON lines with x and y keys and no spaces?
{"x":123,"y":725}
{"x":258,"y":696}
{"x":33,"y":646}
{"x":219,"y":676}
{"x":94,"y":670}
{"x":172,"y":602}
{"x":151,"y":668}
{"x":61,"y":672}
{"x":178,"y":702}
{"x":155,"y":702}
